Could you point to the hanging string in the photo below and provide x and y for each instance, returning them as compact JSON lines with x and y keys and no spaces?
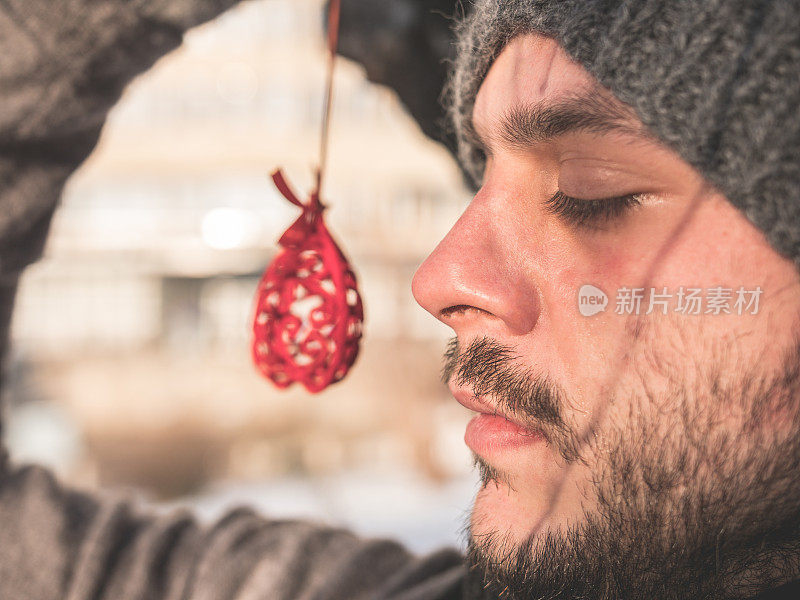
{"x":334,"y":9}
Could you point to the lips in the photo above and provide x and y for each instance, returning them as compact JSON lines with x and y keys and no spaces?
{"x":490,"y":431}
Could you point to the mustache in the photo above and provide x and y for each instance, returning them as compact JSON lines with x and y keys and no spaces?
{"x":489,"y":368}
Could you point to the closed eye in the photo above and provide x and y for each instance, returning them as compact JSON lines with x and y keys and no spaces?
{"x":591,"y":213}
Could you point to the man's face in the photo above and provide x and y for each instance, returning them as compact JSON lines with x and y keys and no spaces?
{"x":623,"y":425}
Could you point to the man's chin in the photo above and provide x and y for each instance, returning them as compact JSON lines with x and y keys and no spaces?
{"x":506,"y":537}
{"x":506,"y":516}
{"x":518,"y":509}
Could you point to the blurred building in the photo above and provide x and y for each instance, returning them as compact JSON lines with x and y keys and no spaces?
{"x":133,"y":333}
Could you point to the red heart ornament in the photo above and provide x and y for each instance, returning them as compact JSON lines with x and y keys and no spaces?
{"x":308,"y":316}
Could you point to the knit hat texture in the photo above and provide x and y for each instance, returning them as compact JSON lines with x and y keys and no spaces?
{"x":718,"y":81}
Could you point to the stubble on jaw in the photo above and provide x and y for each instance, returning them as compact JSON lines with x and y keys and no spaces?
{"x":686,"y":507}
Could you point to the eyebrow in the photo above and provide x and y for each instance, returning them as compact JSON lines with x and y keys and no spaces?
{"x":523,"y":127}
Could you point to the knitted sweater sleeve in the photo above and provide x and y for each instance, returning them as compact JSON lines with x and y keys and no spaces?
{"x":57,"y":543}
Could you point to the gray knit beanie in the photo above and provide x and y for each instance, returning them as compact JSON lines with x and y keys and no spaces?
{"x":716,"y":80}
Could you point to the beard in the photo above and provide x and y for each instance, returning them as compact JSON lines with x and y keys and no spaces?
{"x":685,"y":507}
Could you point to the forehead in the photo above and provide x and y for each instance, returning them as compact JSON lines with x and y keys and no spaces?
{"x":531,"y":68}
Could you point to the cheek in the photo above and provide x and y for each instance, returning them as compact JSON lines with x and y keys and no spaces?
{"x":719,"y":248}
{"x":715,"y":246}
{"x":701,"y":242}
{"x":582,"y":344}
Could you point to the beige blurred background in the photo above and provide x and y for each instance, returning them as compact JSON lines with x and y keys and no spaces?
{"x":130,"y":363}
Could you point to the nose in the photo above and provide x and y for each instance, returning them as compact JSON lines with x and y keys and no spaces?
{"x":477,"y":274}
